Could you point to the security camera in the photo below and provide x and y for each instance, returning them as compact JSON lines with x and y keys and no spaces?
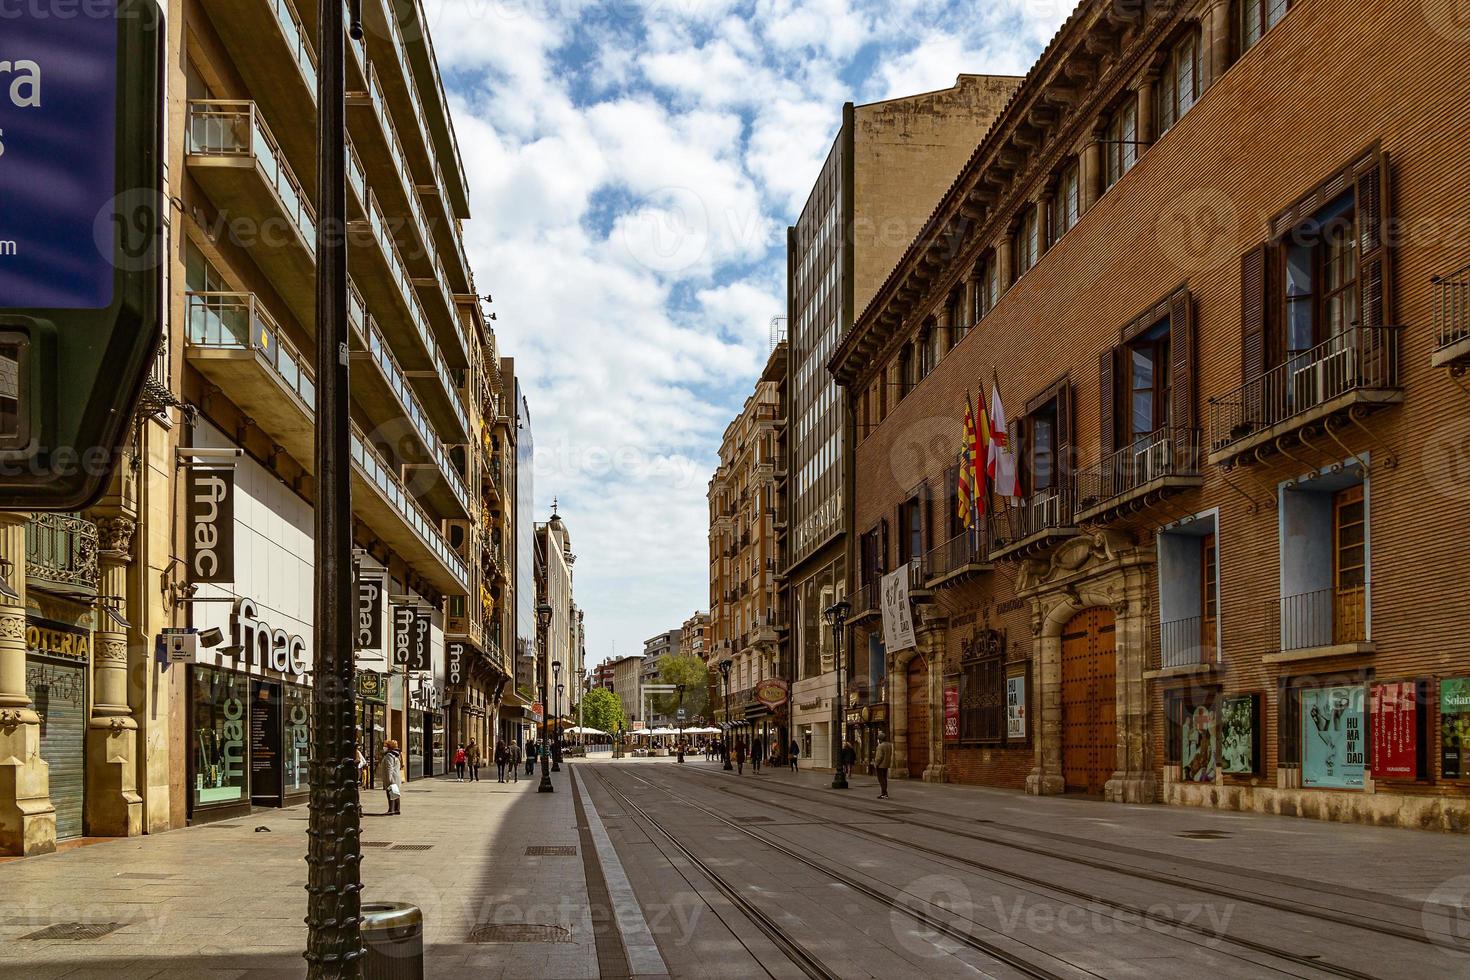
{"x":212,"y":637}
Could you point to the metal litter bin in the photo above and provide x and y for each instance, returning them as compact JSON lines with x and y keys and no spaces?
{"x":393,"y":933}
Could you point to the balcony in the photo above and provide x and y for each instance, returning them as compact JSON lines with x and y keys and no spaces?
{"x":764,"y":630}
{"x":867,"y":601}
{"x":1348,"y":375}
{"x":426,"y":68}
{"x":235,"y":343}
{"x":444,"y":313}
{"x":1452,"y":321}
{"x":270,"y":48}
{"x":1321,"y":623}
{"x":1043,"y":520}
{"x":1138,"y":474}
{"x":61,"y":555}
{"x":379,"y":496}
{"x":1186,"y":646}
{"x":957,"y":559}
{"x":236,"y":160}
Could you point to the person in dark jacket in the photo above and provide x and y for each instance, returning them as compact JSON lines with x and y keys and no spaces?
{"x":757,"y":754}
{"x":740,"y":756}
{"x":531,"y":750}
{"x":849,"y":757}
{"x":502,"y":759}
{"x":472,"y":758}
{"x":793,"y":752}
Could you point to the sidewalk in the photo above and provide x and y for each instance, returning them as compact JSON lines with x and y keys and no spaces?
{"x":228,"y":900}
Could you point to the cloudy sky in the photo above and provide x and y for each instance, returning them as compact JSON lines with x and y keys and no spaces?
{"x":633,"y":167}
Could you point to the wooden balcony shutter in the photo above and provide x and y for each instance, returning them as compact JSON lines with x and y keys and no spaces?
{"x":1107,"y":373}
{"x":1064,"y":434}
{"x":926,"y":495}
{"x":1370,"y":180}
{"x":1253,"y":306}
{"x":883,"y":546}
{"x":1016,"y":444}
{"x":1181,"y":360}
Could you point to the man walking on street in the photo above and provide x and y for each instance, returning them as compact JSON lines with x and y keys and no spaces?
{"x":795,"y":750}
{"x":740,"y":756}
{"x":882,"y":760}
{"x":515,"y":762}
{"x":757,"y":752}
{"x":472,"y":759}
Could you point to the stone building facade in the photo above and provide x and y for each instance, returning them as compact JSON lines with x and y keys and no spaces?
{"x":1207,"y":257}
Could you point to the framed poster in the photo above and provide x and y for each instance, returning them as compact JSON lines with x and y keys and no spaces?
{"x":1333,"y":750}
{"x":951,"y":714}
{"x":1239,"y":734}
{"x":1454,"y":727}
{"x":1199,"y":751}
{"x":1394,"y":710}
{"x":1016,"y":708}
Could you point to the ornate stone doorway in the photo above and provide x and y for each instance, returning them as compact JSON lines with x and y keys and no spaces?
{"x":1089,"y":710}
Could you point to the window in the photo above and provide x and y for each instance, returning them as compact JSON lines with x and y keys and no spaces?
{"x":1189,"y":592}
{"x":872,"y":556}
{"x":958,"y":323}
{"x":1179,"y":83}
{"x":1041,"y":443}
{"x":1350,"y":565}
{"x":911,"y":531}
{"x":982,"y":694}
{"x":1256,"y":18}
{"x":1028,"y":242}
{"x":1148,"y":383}
{"x":1120,"y":149}
{"x":905,"y":370}
{"x":1320,"y":278}
{"x":1209,"y":602}
{"x":1147,"y":389}
{"x":1066,"y":204}
{"x":987,"y":287}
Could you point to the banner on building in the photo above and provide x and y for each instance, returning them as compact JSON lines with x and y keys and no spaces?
{"x":404,"y":618}
{"x":371,"y":595}
{"x":210,"y":524}
{"x":1454,"y":724}
{"x":1239,"y":735}
{"x":951,"y":714}
{"x":457,"y":655}
{"x":1016,"y":707}
{"x":898,"y":616}
{"x":1394,"y":711}
{"x":1333,"y":752}
{"x":421,"y":657}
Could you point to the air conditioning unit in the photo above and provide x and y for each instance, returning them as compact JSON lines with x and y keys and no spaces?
{"x":1046,"y":511}
{"x":1324,"y":379}
{"x":1151,"y":462}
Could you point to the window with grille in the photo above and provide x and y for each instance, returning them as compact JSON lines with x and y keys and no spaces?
{"x":983,"y":694}
{"x":1120,"y":150}
{"x":1179,"y":83}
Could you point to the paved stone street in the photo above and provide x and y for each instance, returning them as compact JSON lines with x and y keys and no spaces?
{"x":698,"y":873}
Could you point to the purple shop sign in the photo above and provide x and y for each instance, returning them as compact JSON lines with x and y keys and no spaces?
{"x":58,"y":159}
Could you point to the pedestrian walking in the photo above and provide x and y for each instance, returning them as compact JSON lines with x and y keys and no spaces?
{"x":740,"y":756}
{"x":515,"y":762}
{"x":882,"y":760}
{"x":472,"y":760}
{"x":459,"y":761}
{"x":502,"y":758}
{"x":390,"y":771}
{"x":757,"y":752}
{"x":794,"y":751}
{"x":531,"y":749}
{"x":849,"y":757}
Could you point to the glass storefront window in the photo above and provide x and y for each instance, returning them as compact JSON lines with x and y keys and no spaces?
{"x":298,"y":739}
{"x":415,"y":749}
{"x":219,"y":725}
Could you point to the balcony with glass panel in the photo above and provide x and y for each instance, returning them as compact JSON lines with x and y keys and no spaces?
{"x":240,"y":348}
{"x":271,"y":49}
{"x":444,"y":314}
{"x":425,"y":64}
{"x":235,"y":158}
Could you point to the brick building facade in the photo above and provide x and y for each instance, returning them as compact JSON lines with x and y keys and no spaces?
{"x":1206,"y":254}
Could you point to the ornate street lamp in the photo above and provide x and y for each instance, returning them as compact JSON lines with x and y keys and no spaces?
{"x":725,"y":673}
{"x":681,"y":723}
{"x":556,"y":731}
{"x":543,"y":616}
{"x":836,"y":616}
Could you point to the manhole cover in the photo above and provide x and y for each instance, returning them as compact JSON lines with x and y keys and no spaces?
{"x":1204,"y":835}
{"x":412,"y":847}
{"x":65,"y":931}
{"x":520,"y":932}
{"x":377,"y":843}
{"x":551,"y":850}
{"x":143,"y":876}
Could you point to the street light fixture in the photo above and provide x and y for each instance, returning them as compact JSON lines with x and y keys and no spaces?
{"x":556,"y":730}
{"x":543,"y":617}
{"x":725,"y":673}
{"x":681,"y":723}
{"x":836,"y":616}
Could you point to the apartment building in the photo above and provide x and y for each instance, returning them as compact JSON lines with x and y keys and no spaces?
{"x":694,"y":636}
{"x":563,"y":649}
{"x":888,"y":166}
{"x":1201,"y":254}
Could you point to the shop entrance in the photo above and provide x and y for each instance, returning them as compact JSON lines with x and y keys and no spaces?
{"x":918,"y":695}
{"x":1089,"y":708}
{"x":58,"y":689}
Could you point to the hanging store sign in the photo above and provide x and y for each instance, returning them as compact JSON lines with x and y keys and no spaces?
{"x":771,"y":692}
{"x":1239,"y":735}
{"x":457,"y":653}
{"x":951,"y":714}
{"x":1333,"y":752}
{"x":421,"y":657}
{"x":1395,"y":714}
{"x":898,"y":617}
{"x":370,"y":686}
{"x":53,"y":639}
{"x":371,"y":595}
{"x":210,"y":524}
{"x":1454,"y":727}
{"x":427,"y":697}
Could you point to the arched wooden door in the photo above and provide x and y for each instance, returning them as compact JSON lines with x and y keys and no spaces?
{"x":918,"y":695}
{"x":1089,"y":706}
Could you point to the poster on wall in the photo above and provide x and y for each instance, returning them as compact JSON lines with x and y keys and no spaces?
{"x":1394,"y":710}
{"x":1197,"y":759}
{"x":951,"y":714}
{"x":898,"y":617}
{"x":1333,"y":753}
{"x":1454,"y":726}
{"x":1016,"y":707}
{"x":1238,"y":735}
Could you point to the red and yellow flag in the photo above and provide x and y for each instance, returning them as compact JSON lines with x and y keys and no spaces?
{"x":969,"y":491}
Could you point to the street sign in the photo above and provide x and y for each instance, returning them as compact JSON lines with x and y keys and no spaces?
{"x":81,"y":256}
{"x":681,"y":714}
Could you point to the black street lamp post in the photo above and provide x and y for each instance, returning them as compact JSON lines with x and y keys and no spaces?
{"x":543,"y":613}
{"x":725,"y":673}
{"x":681,"y":722}
{"x":556,"y":732}
{"x":836,"y":616}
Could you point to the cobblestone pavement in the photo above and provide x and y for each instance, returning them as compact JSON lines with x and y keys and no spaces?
{"x":644,"y":868}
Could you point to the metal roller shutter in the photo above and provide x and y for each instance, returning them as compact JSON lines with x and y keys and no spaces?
{"x":59,"y":692}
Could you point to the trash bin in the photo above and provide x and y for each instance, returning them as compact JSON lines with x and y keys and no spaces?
{"x":393,"y":933}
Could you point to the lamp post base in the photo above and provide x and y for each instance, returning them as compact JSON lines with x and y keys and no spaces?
{"x":839,"y":781}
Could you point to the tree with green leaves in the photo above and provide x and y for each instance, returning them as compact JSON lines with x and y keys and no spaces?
{"x":693,"y":673}
{"x":603,"y":710}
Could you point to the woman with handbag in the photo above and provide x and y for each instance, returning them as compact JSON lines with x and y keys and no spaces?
{"x":390,"y":771}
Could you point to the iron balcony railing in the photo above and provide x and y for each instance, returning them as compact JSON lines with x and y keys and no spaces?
{"x":61,"y":553}
{"x":1451,"y":308}
{"x":1324,"y":617}
{"x":238,"y":321}
{"x":1044,"y":510}
{"x":1187,"y":642}
{"x":868,"y":597}
{"x":1164,"y":453}
{"x":1358,"y":359}
{"x":958,"y":552}
{"x":235,"y":128}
